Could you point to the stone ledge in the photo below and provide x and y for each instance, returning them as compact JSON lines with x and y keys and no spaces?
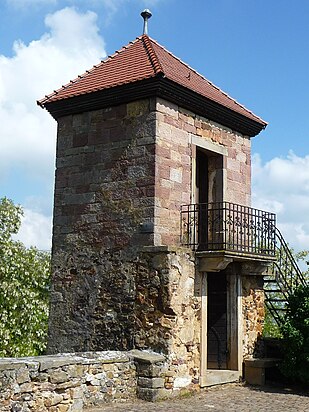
{"x":146,"y":357}
{"x":262,"y":362}
{"x":85,"y":358}
{"x":255,"y":369}
{"x":63,"y":359}
{"x":13,"y":363}
{"x":219,"y":377}
{"x":166,"y":249}
{"x":237,"y":256}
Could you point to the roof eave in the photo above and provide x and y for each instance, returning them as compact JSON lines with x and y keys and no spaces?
{"x":250,"y":125}
{"x":161,"y":87}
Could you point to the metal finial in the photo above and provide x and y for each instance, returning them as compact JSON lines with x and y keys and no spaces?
{"x":146,"y":14}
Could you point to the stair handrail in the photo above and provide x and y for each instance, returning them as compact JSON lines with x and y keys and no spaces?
{"x":295,"y":273}
{"x":286,"y":275}
{"x":284,"y":266}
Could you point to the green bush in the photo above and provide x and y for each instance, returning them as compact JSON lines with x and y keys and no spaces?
{"x":24,"y":289}
{"x":295,"y":332}
{"x":271,"y":328}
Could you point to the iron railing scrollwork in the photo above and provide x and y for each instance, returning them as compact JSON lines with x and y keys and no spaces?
{"x":228,"y":226}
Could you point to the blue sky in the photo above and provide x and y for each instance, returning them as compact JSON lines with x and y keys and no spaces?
{"x":256,"y":51}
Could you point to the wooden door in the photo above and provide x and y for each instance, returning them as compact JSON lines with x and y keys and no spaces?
{"x":217,"y":350}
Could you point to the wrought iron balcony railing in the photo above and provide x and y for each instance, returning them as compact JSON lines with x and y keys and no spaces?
{"x":225,"y":226}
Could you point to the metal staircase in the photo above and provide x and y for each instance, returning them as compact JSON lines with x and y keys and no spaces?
{"x":229,"y":227}
{"x":282,"y":278}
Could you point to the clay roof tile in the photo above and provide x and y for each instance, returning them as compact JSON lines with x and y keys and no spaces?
{"x":141,"y":59}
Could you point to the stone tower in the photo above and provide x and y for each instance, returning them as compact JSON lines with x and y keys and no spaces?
{"x":155,"y":245}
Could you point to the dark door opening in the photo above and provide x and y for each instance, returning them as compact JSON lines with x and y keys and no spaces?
{"x":202,"y":176}
{"x":217,"y":350}
{"x":202,"y":198}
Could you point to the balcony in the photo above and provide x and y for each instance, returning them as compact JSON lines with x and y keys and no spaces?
{"x":225,"y":227}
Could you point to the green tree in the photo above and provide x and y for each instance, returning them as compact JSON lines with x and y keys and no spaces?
{"x":271,"y":329}
{"x":295,"y":332}
{"x":302,"y":258}
{"x":24,"y":289}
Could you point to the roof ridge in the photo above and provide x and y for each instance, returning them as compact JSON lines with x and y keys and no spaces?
{"x":87,"y":72}
{"x":154,"y":60}
{"x":204,"y":78}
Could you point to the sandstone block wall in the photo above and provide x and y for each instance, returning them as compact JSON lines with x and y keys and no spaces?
{"x":175,"y":128}
{"x":173,"y":172}
{"x":104,"y":205}
{"x":105,"y":175}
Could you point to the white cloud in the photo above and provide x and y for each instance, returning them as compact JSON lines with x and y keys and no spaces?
{"x":35,"y":230}
{"x":71,"y":45}
{"x":282,"y":186}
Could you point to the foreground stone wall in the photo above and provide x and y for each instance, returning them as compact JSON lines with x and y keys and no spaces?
{"x":76,"y":382}
{"x":63,"y":383}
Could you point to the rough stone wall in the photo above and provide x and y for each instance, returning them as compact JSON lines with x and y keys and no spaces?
{"x":74,"y":382}
{"x":253,"y":312}
{"x":168,"y":311}
{"x":66,"y":383}
{"x":144,"y":299}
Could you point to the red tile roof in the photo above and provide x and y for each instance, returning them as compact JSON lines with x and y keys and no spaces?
{"x":141,"y":59}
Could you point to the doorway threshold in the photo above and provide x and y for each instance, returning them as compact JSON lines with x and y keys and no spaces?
{"x":219,"y":376}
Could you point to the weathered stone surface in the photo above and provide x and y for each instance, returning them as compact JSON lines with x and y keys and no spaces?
{"x":121,"y":279}
{"x":146,"y":357}
{"x":11,"y":363}
{"x":25,"y":387}
{"x":58,"y":376}
{"x":53,"y":400}
{"x":55,"y":361}
{"x":253,"y":314}
{"x":55,"y":389}
{"x":153,"y":395}
{"x":22,"y":376}
{"x":110,"y":181}
{"x":151,"y":382}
